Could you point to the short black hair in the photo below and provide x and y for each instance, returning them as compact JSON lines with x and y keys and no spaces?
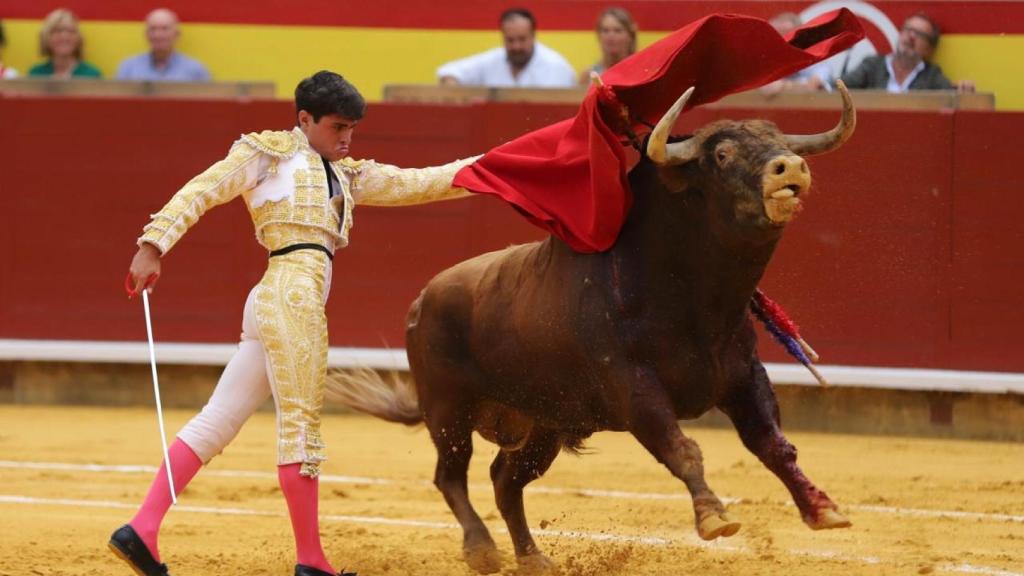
{"x":936,"y":31}
{"x":518,"y":13}
{"x":326,"y":93}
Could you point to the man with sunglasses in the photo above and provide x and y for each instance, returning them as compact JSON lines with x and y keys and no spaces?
{"x":909,"y":67}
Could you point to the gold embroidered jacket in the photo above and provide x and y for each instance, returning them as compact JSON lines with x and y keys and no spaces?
{"x":284,"y":184}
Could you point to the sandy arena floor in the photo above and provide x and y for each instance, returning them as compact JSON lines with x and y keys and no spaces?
{"x":69,"y":476}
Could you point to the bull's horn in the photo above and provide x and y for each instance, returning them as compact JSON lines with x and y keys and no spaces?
{"x":659,"y":150}
{"x":807,"y":145}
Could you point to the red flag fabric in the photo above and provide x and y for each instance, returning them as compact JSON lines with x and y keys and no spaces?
{"x":570,"y":178}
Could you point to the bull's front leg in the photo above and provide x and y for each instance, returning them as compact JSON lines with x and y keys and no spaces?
{"x":653,"y":422}
{"x":754,"y":412}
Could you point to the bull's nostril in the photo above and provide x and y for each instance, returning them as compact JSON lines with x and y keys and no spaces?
{"x":780,"y":168}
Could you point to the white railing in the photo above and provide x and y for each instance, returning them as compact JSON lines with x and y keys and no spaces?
{"x":394,"y":359}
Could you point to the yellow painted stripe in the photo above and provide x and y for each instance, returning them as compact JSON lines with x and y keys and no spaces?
{"x":373,"y":57}
{"x":992,"y":61}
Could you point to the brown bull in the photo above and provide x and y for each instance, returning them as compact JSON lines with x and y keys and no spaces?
{"x":537,"y":346}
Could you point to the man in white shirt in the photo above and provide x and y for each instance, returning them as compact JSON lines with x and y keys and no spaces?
{"x":521,"y":63}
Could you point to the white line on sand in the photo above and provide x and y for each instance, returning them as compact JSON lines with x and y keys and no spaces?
{"x":616,"y":494}
{"x":571,"y":534}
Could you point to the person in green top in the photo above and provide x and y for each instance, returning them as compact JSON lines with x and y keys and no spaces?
{"x":61,"y":43}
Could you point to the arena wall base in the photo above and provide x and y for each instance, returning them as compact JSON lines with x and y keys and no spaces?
{"x":837,"y":409}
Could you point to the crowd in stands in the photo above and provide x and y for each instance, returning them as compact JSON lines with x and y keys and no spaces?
{"x":525,"y":62}
{"x":522,"y":61}
{"x":63,"y":47}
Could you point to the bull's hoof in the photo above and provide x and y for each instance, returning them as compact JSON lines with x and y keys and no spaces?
{"x":828,"y":518}
{"x":716,"y":525}
{"x":483,"y":558}
{"x":536,"y":563}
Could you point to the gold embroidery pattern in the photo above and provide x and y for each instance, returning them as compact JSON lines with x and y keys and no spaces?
{"x":289,"y":307}
{"x":385,"y":185}
{"x":307,"y":217}
{"x":280,"y":144}
{"x":220,"y":183}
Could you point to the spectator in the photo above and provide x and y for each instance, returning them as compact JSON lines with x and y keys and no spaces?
{"x":523,"y":62}
{"x":616,"y":35}
{"x":162,"y":62}
{"x":909,"y":67}
{"x":5,"y":71}
{"x":61,"y":43}
{"x":815,"y":77}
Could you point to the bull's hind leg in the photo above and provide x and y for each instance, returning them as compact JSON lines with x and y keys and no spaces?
{"x":654,"y":424}
{"x":754,"y":412}
{"x":452,"y":436}
{"x":511,"y":472}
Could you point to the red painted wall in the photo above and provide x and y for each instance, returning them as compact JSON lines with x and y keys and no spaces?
{"x":909,"y":252}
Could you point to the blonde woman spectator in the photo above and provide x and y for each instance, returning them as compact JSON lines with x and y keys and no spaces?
{"x":61,"y":43}
{"x":616,"y":35}
{"x":5,"y":71}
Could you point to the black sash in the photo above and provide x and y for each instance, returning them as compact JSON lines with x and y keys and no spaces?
{"x":302,"y":246}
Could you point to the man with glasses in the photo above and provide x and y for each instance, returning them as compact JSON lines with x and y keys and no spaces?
{"x":909,"y":67}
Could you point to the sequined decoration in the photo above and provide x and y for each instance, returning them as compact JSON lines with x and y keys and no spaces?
{"x":307,"y":217}
{"x":289,"y":307}
{"x":220,"y":183}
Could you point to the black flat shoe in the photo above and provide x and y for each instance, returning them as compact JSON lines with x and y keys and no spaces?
{"x":126,"y":545}
{"x":303,"y":570}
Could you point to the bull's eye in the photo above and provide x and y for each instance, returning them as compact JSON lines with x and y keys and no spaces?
{"x":724,"y":152}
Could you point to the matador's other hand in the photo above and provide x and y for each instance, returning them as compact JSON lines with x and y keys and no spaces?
{"x":144,"y":270}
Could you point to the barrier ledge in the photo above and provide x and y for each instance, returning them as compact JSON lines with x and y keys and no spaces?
{"x":89,"y":88}
{"x":864,"y":99}
{"x":913,"y":379}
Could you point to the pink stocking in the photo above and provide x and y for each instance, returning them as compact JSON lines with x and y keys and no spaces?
{"x":184,"y":465}
{"x":301,"y":494}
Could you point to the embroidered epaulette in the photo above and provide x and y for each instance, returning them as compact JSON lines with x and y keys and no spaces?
{"x":279,"y":143}
{"x":350,"y":166}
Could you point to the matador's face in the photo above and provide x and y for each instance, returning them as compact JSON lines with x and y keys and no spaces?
{"x":330,"y":136}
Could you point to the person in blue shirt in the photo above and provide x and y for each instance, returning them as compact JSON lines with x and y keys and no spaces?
{"x":162,"y":62}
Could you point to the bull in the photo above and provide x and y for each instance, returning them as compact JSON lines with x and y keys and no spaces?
{"x":536,"y":347}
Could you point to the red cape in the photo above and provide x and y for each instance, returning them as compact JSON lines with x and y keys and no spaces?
{"x":570,"y":178}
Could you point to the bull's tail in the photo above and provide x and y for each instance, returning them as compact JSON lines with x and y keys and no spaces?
{"x":363,"y":389}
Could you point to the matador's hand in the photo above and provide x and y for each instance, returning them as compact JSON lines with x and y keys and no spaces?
{"x":144,"y":270}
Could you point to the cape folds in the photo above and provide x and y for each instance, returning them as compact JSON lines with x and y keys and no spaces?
{"x":570,"y":178}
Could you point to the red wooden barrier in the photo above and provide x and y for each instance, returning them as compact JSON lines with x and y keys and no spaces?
{"x":908,"y":254}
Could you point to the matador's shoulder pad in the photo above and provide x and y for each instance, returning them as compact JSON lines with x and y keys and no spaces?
{"x":350,"y":165}
{"x":279,"y":143}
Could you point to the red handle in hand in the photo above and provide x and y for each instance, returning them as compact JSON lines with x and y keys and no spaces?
{"x":130,"y":288}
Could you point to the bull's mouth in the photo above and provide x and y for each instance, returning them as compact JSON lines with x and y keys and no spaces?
{"x":782,"y":204}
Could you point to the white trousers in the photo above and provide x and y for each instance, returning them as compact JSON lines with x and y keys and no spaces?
{"x":243,"y":387}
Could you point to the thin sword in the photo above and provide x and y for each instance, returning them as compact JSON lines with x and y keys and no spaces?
{"x":156,"y":393}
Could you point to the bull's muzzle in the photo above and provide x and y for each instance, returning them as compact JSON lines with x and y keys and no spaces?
{"x":785,"y":178}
